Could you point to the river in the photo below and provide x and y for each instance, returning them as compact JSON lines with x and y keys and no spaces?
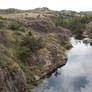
{"x":76,"y":75}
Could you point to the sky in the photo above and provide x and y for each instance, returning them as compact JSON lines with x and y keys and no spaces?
{"x":76,"y":5}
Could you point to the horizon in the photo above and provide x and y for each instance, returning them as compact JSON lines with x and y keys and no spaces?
{"x":58,"y":5}
{"x":46,"y":7}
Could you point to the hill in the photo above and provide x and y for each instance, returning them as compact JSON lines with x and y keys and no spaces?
{"x":29,"y":51}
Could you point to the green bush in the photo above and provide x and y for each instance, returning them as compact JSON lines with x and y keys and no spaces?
{"x":29,"y":45}
{"x":15,"y":26}
{"x":33,"y":43}
{"x":23,"y":53}
{"x":76,"y":24}
{"x":30,"y":33}
{"x":67,"y":46}
{"x":29,"y":18}
{"x":1,"y":24}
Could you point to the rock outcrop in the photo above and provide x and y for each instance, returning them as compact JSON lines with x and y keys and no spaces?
{"x":18,"y":75}
{"x":89,"y":30}
{"x":14,"y":81}
{"x":44,"y":25}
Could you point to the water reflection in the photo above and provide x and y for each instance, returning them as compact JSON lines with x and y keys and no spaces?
{"x":76,"y":75}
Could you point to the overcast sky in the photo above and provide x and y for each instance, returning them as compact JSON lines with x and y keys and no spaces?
{"x":77,"y":5}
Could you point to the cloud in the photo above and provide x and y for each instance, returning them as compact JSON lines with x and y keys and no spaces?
{"x":78,"y":5}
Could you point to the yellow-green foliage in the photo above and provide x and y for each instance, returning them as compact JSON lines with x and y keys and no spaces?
{"x":6,"y":59}
{"x":67,"y":46}
{"x":29,"y":18}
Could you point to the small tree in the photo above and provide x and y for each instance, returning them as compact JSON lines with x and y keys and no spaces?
{"x":23,"y":53}
{"x":32,"y":43}
{"x":14,"y":26}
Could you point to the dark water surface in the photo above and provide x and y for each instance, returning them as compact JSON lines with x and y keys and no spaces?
{"x":76,"y":75}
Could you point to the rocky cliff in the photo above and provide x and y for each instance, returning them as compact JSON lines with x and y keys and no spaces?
{"x":89,"y":30}
{"x":29,"y":51}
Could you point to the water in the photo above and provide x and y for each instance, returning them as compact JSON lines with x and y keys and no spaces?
{"x":76,"y":75}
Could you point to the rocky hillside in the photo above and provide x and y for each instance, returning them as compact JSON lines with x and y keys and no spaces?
{"x":29,"y":51}
{"x":89,"y":30}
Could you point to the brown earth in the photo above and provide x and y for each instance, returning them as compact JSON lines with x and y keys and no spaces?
{"x":40,"y":64}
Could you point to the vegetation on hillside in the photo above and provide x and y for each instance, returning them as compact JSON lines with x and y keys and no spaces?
{"x":75,"y":21}
{"x":28,"y":45}
{"x":9,"y":11}
{"x":16,"y":46}
{"x":22,"y":49}
{"x":76,"y":24}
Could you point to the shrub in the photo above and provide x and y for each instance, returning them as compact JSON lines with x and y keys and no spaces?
{"x":75,"y":24}
{"x":68,"y":46}
{"x":32,"y":43}
{"x":15,"y":26}
{"x":29,"y":45}
{"x":23,"y":53}
{"x":23,"y":29}
{"x":30,"y":33}
{"x":1,"y":24}
{"x":29,"y":18}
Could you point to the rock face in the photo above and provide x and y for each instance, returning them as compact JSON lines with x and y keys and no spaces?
{"x":16,"y":75}
{"x":44,"y":25}
{"x":54,"y":60}
{"x":89,"y":30}
{"x":12,"y":81}
{"x":54,"y":38}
